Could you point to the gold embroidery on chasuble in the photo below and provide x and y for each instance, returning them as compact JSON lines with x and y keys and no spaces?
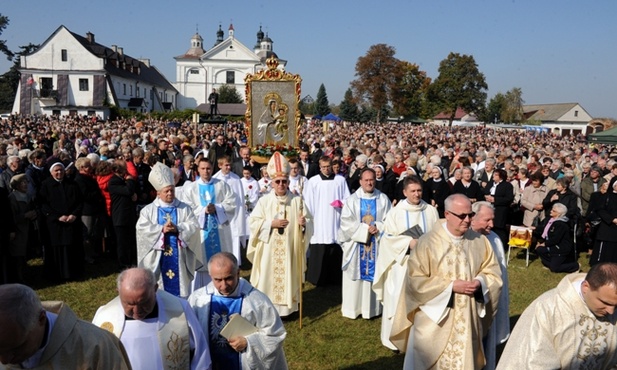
{"x":170,"y":274}
{"x":594,"y":346}
{"x":278,"y":266}
{"x":458,"y":267}
{"x":178,"y":348}
{"x":168,"y":251}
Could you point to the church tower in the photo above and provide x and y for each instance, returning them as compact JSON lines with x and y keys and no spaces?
{"x":219,"y":36}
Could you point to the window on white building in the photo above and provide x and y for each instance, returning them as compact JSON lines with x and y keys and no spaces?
{"x":64,"y":54}
{"x":575,"y":113}
{"x":124,"y":89}
{"x":194,"y":71}
{"x":231,"y":77}
{"x":83,"y":84}
{"x":131,"y":90}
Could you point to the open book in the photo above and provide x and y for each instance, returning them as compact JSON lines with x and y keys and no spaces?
{"x":238,"y":326}
{"x":415,"y":232}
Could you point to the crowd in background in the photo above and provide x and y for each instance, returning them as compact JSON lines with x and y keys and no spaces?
{"x":523,"y":174}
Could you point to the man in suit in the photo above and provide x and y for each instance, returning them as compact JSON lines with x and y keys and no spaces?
{"x":307,"y":168}
{"x":246,"y":161}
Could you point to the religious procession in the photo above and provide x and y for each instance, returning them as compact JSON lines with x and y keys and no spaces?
{"x":218,"y":253}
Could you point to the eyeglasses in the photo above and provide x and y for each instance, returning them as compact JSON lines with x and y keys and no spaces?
{"x":281,"y":182}
{"x":463,"y":216}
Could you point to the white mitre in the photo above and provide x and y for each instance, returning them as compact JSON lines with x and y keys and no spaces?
{"x":161,"y":176}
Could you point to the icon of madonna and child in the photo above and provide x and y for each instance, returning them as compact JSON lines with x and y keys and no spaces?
{"x":273,"y":124}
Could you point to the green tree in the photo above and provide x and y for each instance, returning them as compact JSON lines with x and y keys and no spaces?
{"x":459,"y":84}
{"x":494,"y":109}
{"x":307,"y":105}
{"x":349,"y":108}
{"x":410,"y":88}
{"x":513,"y":109}
{"x":4,"y":21}
{"x":229,"y":95}
{"x":376,"y":76}
{"x":10,"y":80}
{"x":322,"y":106}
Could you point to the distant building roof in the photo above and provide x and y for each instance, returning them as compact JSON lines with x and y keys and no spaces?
{"x":115,"y":58}
{"x":459,"y":114}
{"x":547,"y":112}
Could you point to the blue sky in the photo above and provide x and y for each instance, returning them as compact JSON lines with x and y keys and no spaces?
{"x":556,"y":51}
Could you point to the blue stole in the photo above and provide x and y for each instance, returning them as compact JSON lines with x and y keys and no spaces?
{"x":221,"y":307}
{"x":210,"y":229}
{"x":368,"y":215}
{"x":170,"y":258}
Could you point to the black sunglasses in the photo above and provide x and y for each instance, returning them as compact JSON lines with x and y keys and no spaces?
{"x":464,"y":215}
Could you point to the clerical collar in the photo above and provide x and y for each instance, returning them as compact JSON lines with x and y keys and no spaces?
{"x":152,"y":315}
{"x":324,"y":177}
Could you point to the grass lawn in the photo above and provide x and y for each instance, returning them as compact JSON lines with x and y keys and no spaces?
{"x":327,"y":340}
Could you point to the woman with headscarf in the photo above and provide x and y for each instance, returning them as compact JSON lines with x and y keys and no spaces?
{"x":61,"y":205}
{"x":468,"y":186}
{"x":555,"y":245}
{"x":382,"y":183}
{"x":24,"y":214}
{"x":436,"y":190}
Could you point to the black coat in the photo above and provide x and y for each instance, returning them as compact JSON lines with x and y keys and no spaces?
{"x":560,"y":237}
{"x":61,"y":199}
{"x":504,"y":196}
{"x":123,"y":211}
{"x":94,"y":202}
{"x":437,"y":191}
{"x":568,"y":198}
{"x":608,"y":212}
{"x":473,"y":191}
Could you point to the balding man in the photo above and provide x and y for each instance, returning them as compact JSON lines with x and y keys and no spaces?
{"x":569,"y":327}
{"x":228,"y":294}
{"x":48,"y":335}
{"x":499,"y":332}
{"x":158,"y":330}
{"x":454,"y":287}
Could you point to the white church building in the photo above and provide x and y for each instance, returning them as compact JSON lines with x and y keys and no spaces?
{"x":198,"y":70}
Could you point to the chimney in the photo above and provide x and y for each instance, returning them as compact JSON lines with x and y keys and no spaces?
{"x":114,"y":48}
{"x":120,"y":50}
{"x":90,"y":37}
{"x":145,"y":61}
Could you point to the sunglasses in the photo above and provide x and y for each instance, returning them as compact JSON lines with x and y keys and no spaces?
{"x":463,"y":216}
{"x":281,"y":181}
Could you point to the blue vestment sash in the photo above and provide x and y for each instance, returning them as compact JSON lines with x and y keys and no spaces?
{"x":210,"y":229}
{"x":368,"y":215}
{"x":170,"y":257}
{"x":221,"y":308}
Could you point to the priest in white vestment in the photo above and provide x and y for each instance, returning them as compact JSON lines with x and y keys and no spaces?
{"x":168,"y":236}
{"x":214,"y":204}
{"x":158,"y":330}
{"x":324,"y":196}
{"x":237,"y":223}
{"x":452,"y":296}
{"x":360,"y":235}
{"x":229,"y":294}
{"x":499,"y":332}
{"x":412,"y":213}
{"x":569,"y":327}
{"x":280,"y":232}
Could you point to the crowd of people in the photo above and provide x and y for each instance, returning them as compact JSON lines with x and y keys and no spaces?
{"x":412,"y":222}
